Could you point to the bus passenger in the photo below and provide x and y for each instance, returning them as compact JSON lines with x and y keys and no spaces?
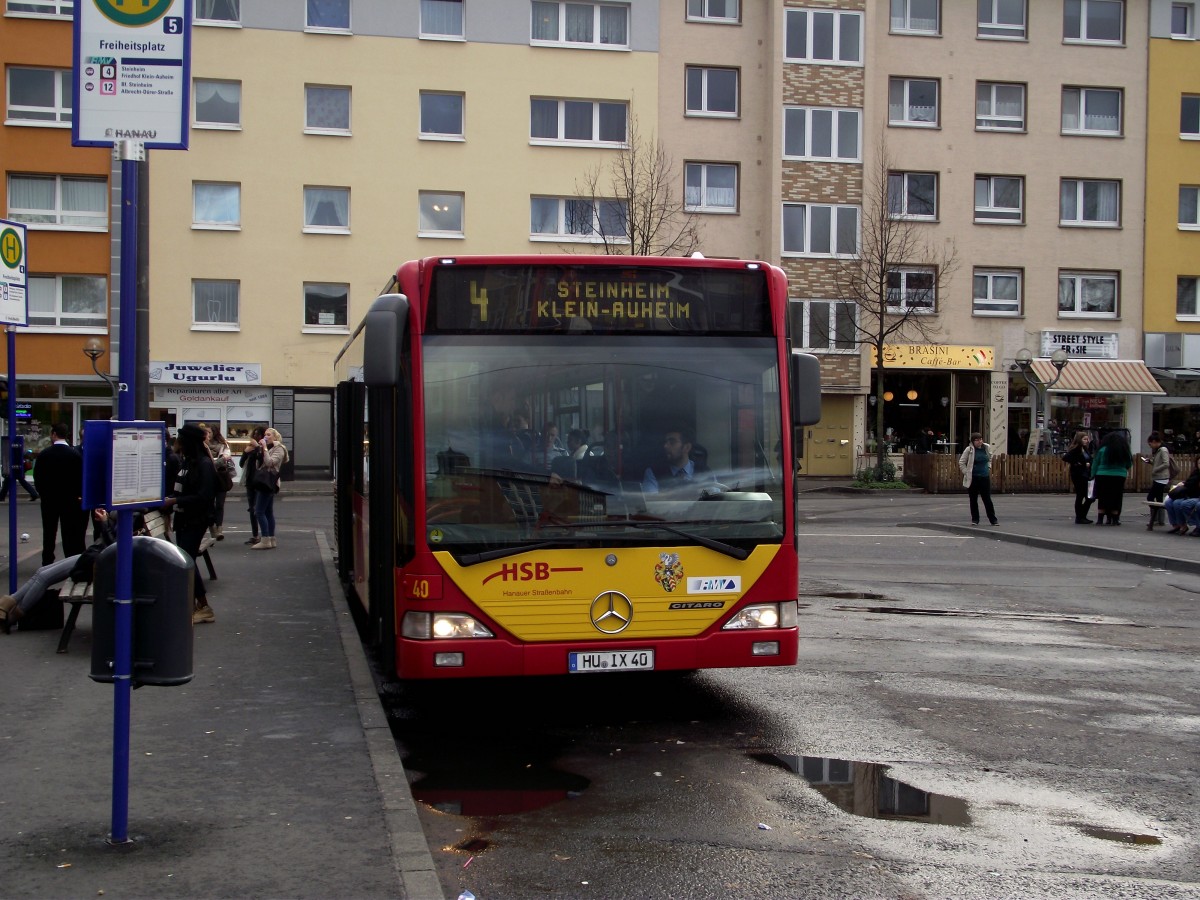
{"x":679,"y":469}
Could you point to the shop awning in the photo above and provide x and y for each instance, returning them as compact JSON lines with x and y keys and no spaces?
{"x":1174,"y":373}
{"x":1099,"y":376}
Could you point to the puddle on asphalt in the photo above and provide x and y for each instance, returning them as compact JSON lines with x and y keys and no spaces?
{"x":990,"y":614}
{"x":476,"y":790}
{"x":1121,"y":837}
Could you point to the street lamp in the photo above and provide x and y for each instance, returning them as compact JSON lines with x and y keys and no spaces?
{"x":1024,"y":360}
{"x":93,"y":350}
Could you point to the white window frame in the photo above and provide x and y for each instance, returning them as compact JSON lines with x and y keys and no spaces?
{"x":995,"y":30}
{"x":1182,"y":282}
{"x":1189,"y":117}
{"x":594,"y":233}
{"x":902,"y":21}
{"x":838,"y":19}
{"x":706,"y":192}
{"x":837,"y":128}
{"x":40,"y":9}
{"x":1078,"y":278}
{"x":989,"y":213}
{"x":59,"y":212}
{"x":430,"y":200}
{"x":329,"y":29}
{"x":59,"y":114}
{"x":313,"y":197}
{"x":704,"y":110}
{"x":836,"y":213}
{"x":100,"y":324}
{"x":315,"y":287}
{"x":906,"y":121}
{"x":1189,"y":21}
{"x":234,"y":6}
{"x":1078,"y":108}
{"x":903,"y":194}
{"x":460,"y":134}
{"x":563,"y":103}
{"x":989,"y":304}
{"x":988,"y":119}
{"x":905,"y":306}
{"x":842,"y":318}
{"x":1186,"y":190}
{"x":340,"y":90}
{"x":1083,"y":37}
{"x":202,"y":223}
{"x":563,"y":38}
{"x":1079,"y":187}
{"x":207,"y":325}
{"x":197,"y":122}
{"x":428,"y":32}
{"x":702,"y":11}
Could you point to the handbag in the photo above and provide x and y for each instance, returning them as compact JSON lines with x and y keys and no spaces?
{"x":266,"y":480}
{"x":224,"y":470}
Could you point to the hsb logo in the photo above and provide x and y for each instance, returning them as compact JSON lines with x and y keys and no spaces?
{"x":526,"y":571}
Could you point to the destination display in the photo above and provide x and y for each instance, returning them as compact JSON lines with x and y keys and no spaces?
{"x":599,"y":299}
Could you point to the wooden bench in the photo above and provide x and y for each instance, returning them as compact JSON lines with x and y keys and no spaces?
{"x":79,"y":593}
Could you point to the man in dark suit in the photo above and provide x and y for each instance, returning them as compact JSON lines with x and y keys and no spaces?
{"x":58,"y":474}
{"x":682,"y":467}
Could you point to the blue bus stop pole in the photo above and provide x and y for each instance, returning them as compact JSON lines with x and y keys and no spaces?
{"x":129,"y":153}
{"x":15,"y":459}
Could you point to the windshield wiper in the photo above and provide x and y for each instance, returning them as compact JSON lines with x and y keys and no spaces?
{"x":472,"y":559}
{"x":702,"y":540}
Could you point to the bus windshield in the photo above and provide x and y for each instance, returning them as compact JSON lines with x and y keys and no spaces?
{"x":576,"y":441}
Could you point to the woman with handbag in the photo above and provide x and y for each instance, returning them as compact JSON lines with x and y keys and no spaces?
{"x":250,"y":458}
{"x":222,"y":458}
{"x":1079,"y":458}
{"x":272,"y":455}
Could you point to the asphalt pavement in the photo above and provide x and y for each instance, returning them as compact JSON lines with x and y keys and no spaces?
{"x":273,"y":773}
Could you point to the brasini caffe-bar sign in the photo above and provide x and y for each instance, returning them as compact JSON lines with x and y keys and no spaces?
{"x":936,"y":356}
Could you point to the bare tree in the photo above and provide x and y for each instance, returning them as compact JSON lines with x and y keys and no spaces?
{"x":635,"y":208}
{"x":900,"y":274}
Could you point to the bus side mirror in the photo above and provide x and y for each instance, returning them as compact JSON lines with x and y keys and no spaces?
{"x":806,"y":389}
{"x":385,"y":331}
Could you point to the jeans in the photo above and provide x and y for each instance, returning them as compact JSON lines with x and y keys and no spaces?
{"x":1183,"y":512}
{"x":264,"y":511}
{"x":31,"y":592}
{"x":981,"y":488}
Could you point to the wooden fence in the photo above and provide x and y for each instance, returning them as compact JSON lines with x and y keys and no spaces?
{"x":938,"y":473}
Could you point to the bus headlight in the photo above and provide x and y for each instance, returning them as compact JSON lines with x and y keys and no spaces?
{"x":765,"y":615}
{"x":424,"y":626}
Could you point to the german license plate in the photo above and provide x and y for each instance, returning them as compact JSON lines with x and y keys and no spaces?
{"x":610,"y":660}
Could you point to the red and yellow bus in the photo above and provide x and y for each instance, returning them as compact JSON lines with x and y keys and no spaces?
{"x":557,"y":464}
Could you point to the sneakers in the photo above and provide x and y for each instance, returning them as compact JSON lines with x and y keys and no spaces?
{"x":9,"y":612}
{"x":203,"y":614}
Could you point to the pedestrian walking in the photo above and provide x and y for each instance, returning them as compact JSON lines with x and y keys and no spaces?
{"x":1110,"y":468}
{"x":58,"y":474}
{"x":1079,"y":460}
{"x":976,"y":466}
{"x":191,"y":503}
{"x":1161,"y":473}
{"x":19,"y":468}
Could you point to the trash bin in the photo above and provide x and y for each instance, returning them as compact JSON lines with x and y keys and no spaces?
{"x":162,"y":614}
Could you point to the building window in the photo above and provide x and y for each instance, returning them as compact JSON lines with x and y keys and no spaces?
{"x":59,"y":202}
{"x":577,"y":219}
{"x":999,"y":107}
{"x":999,"y":199}
{"x":822,"y":133}
{"x":712,"y":11}
{"x":441,"y":18}
{"x":327,"y":15}
{"x":833,"y":37}
{"x":913,"y":101}
{"x":38,"y":96}
{"x":911,"y":290}
{"x":1091,"y":111}
{"x":225,"y":12}
{"x":912,"y":195}
{"x":215,"y":305}
{"x":710,"y":187}
{"x":1189,"y":116}
{"x":1094,"y":21}
{"x":1096,"y":203}
{"x":1087,"y":294}
{"x":577,"y":121}
{"x":218,"y":104}
{"x":326,"y":306}
{"x":1004,"y":19}
{"x":997,"y":292}
{"x":441,"y":115}
{"x":712,"y":92}
{"x":51,"y":9}
{"x":68,"y":301}
{"x":216,"y":205}
{"x":1185,"y":298}
{"x":820,"y":229}
{"x":327,"y":209}
{"x":572,"y":24}
{"x":1189,"y":207}
{"x":326,"y":109}
{"x":1183,"y":20}
{"x":915,"y":17}
{"x":826,"y":325}
{"x":441,"y":214}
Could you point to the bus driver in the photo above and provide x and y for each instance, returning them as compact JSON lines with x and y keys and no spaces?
{"x":680,"y":469}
